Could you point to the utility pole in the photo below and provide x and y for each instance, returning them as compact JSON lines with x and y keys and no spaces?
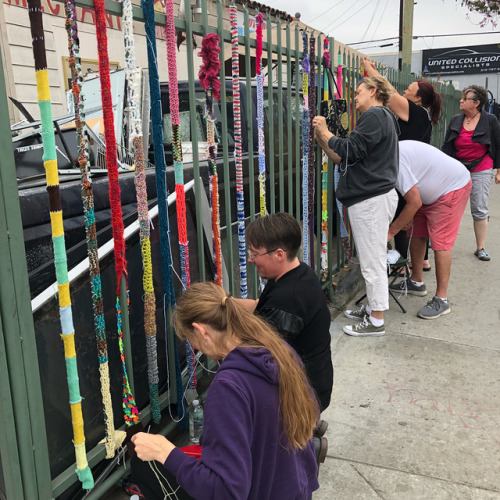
{"x":405,"y":33}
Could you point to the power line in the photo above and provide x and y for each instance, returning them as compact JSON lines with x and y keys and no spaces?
{"x":345,"y":20}
{"x":371,"y":20}
{"x":323,"y":13}
{"x":424,"y":36}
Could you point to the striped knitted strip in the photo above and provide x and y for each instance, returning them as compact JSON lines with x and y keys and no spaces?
{"x":324,"y":174}
{"x":90,"y":228}
{"x":130,"y":411}
{"x":161,"y":190}
{"x":208,"y":79}
{"x":240,"y":201}
{"x":135,"y":122}
{"x":173,"y":87}
{"x":260,"y":117}
{"x":66,"y":316}
{"x":305,"y":151}
{"x":312,"y":111}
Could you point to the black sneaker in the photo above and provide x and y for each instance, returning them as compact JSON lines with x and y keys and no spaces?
{"x":409,"y":287}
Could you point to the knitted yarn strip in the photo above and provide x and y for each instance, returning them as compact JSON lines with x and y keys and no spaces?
{"x":178,"y":170}
{"x":305,"y":150}
{"x":135,"y":122}
{"x":324,"y":173}
{"x":131,"y":413}
{"x":56,"y":217}
{"x":312,"y":111}
{"x":260,"y":117}
{"x":240,"y":201}
{"x":209,"y":80}
{"x":90,"y":228}
{"x":161,"y":190}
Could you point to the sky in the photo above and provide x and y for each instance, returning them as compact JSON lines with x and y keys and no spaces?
{"x":351,"y":21}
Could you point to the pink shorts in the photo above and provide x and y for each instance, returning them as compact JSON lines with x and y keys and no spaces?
{"x":441,"y":220}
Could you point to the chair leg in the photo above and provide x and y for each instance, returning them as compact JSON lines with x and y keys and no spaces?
{"x":360,"y":299}
{"x":397,"y":301}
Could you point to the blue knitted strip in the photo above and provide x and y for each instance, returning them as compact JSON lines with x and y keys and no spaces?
{"x":161,"y":189}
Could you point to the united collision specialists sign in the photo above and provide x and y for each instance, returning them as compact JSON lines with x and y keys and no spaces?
{"x":461,"y":61}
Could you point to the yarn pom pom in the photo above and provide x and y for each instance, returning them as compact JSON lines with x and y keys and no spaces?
{"x":211,"y":65}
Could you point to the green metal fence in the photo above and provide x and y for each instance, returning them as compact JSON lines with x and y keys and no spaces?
{"x":23,"y":443}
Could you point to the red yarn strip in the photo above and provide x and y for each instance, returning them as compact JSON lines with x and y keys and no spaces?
{"x":109,"y":134}
{"x":258,"y":54}
{"x":211,"y":65}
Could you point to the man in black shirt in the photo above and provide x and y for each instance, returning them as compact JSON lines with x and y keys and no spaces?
{"x":292,"y":300}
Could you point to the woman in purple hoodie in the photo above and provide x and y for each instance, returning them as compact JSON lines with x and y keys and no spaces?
{"x":259,"y":413}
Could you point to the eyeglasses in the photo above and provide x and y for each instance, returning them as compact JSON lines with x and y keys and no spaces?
{"x":252,"y":257}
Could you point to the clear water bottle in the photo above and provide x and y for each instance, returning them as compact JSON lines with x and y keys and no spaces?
{"x":195,"y":422}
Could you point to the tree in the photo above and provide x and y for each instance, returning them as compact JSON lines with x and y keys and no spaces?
{"x":489,"y":8}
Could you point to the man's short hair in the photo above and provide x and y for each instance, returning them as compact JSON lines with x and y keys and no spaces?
{"x":274,"y":231}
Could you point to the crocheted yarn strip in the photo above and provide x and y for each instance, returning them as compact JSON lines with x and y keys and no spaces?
{"x":161,"y":190}
{"x":178,"y":170}
{"x":56,"y":217}
{"x":209,"y":80}
{"x":260,"y":117}
{"x":312,"y":114}
{"x":130,"y":411}
{"x":135,"y":121}
{"x":90,"y":228}
{"x":324,"y":173}
{"x":240,"y":201}
{"x":305,"y":150}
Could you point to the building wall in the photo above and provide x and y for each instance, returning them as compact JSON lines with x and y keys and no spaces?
{"x":490,"y":81}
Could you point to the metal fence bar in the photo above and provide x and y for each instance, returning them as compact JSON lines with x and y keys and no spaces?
{"x":225,"y":149}
{"x":289,"y":155}
{"x":194,"y":138}
{"x":270,"y":115}
{"x":279,"y":69}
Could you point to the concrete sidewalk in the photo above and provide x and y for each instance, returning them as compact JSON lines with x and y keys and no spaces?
{"x":416,"y":414}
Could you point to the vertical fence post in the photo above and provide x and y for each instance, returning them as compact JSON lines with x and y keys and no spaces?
{"x":270,"y":114}
{"x":23,"y":441}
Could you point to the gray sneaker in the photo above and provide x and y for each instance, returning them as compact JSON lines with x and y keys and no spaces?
{"x":434,"y":308}
{"x":364,"y":329}
{"x":409,"y":287}
{"x":358,"y":314}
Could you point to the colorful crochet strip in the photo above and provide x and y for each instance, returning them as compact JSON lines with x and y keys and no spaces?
{"x":305,"y":151}
{"x":338,"y":94}
{"x":209,"y":80}
{"x":130,"y":411}
{"x":312,"y":111}
{"x":135,"y":121}
{"x":90,"y":228}
{"x":56,"y":217}
{"x":240,"y":201}
{"x":173,"y":87}
{"x":260,"y":116}
{"x":161,"y":190}
{"x":324,"y":174}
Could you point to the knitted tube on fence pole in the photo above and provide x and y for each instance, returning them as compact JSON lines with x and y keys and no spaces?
{"x":305,"y":151}
{"x":312,"y":111}
{"x":240,"y":199}
{"x":260,"y":116}
{"x":324,"y":173}
{"x":112,"y":439}
{"x":135,"y":124}
{"x":209,"y":80}
{"x":130,"y":411}
{"x":173,"y":87}
{"x":161,"y":190}
{"x":56,"y":218}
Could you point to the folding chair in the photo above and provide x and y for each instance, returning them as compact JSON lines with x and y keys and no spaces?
{"x":394,"y":273}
